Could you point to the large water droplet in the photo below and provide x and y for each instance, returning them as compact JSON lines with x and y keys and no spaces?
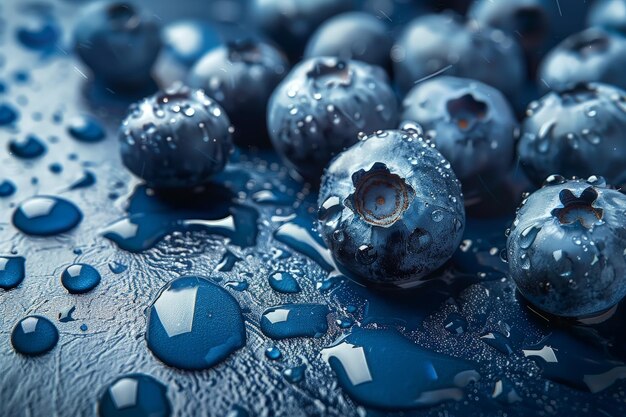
{"x":8,"y":114}
{"x":372,"y":367}
{"x":86,"y":129}
{"x":284,"y":282}
{"x":11,"y":271}
{"x":46,"y":216}
{"x":80,"y":278}
{"x":34,"y":335}
{"x":135,"y":395}
{"x":194,"y":324}
{"x":295,"y":320}
{"x":29,"y":148}
{"x":528,"y":235}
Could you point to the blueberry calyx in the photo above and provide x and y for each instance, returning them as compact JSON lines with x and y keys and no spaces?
{"x":466,"y":110}
{"x":123,"y":16}
{"x":380,"y":197}
{"x":578,"y":209}
{"x":590,"y":45}
{"x":331,"y":73}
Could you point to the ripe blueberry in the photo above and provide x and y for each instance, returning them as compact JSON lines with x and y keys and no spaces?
{"x":471,"y":124}
{"x":241,"y":77}
{"x":355,"y":35}
{"x":566,"y":247}
{"x":588,"y":56}
{"x":442,"y":43}
{"x":322,"y":105}
{"x":609,"y":14}
{"x":118,"y":42}
{"x":391,"y":208}
{"x":177,"y":138}
{"x":576,"y":132}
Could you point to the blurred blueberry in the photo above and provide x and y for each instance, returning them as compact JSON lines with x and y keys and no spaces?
{"x":566,"y":247}
{"x":391,"y":208}
{"x":591,"y":55}
{"x":577,"y":132}
{"x":188,"y":40}
{"x":178,"y":138}
{"x":290,"y":23}
{"x":394,"y":13}
{"x":471,"y":124}
{"x":321,"y":107}
{"x":118,"y":42}
{"x":435,"y":44}
{"x":355,"y":35}
{"x":241,"y":77}
{"x":609,"y":14}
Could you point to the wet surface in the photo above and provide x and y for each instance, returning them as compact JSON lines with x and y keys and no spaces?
{"x":463,"y":344}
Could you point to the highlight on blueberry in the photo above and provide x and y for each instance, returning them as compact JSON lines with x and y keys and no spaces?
{"x":241,"y":76}
{"x":594,"y":55}
{"x":391,"y":209}
{"x":608,"y":14}
{"x":322,"y":105}
{"x":566,"y":247}
{"x":177,"y":138}
{"x":118,"y":42}
{"x":470,"y":123}
{"x":577,"y":132}
{"x":290,"y":23}
{"x":443,"y":43}
{"x":354,"y":35}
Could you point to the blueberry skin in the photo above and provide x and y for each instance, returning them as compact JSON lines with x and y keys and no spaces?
{"x":253,"y":70}
{"x":177,"y":138}
{"x":320,"y":108}
{"x":529,"y":20}
{"x":594,"y":55}
{"x":118,"y":42}
{"x":566,"y":247}
{"x":442,"y":43}
{"x":471,"y":124}
{"x":576,"y":132}
{"x":608,"y":14}
{"x":391,"y":209}
{"x":290,"y":23}
{"x":354,"y":35}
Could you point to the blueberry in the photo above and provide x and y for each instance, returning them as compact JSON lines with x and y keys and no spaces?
{"x":471,"y":124}
{"x":391,"y":208}
{"x":118,"y":42}
{"x":442,"y":43}
{"x":527,"y":19}
{"x":188,"y":40}
{"x":395,"y":13}
{"x":576,"y":132}
{"x":178,"y":138}
{"x":290,"y":23}
{"x":321,"y":107}
{"x":355,"y":35}
{"x":609,"y":14}
{"x":588,"y":56}
{"x":241,"y":77}
{"x":566,"y":247}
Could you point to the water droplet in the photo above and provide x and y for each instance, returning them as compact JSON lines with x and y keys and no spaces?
{"x":273,"y":353}
{"x":117,"y":267}
{"x":87,"y":179}
{"x":554,"y":180}
{"x":228,"y":261}
{"x":437,"y":215}
{"x":419,"y":240}
{"x":295,"y":320}
{"x":40,"y":33}
{"x":284,"y":282}
{"x":528,"y":235}
{"x":498,"y":341}
{"x":295,"y":374}
{"x":135,"y":395}
{"x":7,"y":188}
{"x":46,"y":216}
{"x":12,"y":271}
{"x":29,"y":148}
{"x":8,"y":114}
{"x":34,"y":335}
{"x":80,"y":278}
{"x":456,"y":324}
{"x":238,"y":285}
{"x":525,"y":261}
{"x":86,"y":129}
{"x":372,"y":365}
{"x":194,"y":324}
{"x":366,"y":254}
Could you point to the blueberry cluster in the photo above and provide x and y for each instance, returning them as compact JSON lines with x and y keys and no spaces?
{"x":404,"y":113}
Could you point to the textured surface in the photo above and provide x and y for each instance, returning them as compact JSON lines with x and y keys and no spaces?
{"x":501,"y":336}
